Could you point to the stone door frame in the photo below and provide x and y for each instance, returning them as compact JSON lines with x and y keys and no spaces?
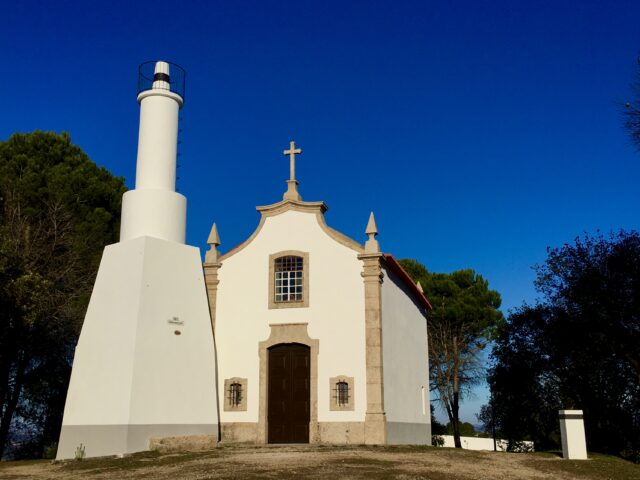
{"x":284,"y":334}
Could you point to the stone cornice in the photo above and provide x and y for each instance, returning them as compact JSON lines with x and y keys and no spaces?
{"x":212,"y":265}
{"x":339,"y":237}
{"x":286,"y":205}
{"x":368,"y":256}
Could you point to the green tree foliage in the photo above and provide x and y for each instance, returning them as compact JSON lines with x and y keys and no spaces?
{"x":577,"y":348}
{"x":525,"y":396}
{"x":57,"y":212}
{"x":485,"y":417}
{"x":464,"y":318}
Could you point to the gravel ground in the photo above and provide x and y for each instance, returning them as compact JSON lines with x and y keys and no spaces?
{"x":316,"y":462}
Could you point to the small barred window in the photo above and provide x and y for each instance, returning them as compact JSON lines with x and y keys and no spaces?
{"x":235,"y":395}
{"x":289,"y":274}
{"x":342,"y":394}
{"x":341,"y":389}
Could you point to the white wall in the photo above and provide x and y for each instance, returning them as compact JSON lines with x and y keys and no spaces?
{"x":478,"y":443}
{"x":405,"y":355}
{"x":129,"y":366}
{"x":154,"y":208}
{"x":103,"y":360}
{"x":335,"y":314}
{"x":155,"y":213}
{"x":157,"y":140}
{"x":174,"y":377}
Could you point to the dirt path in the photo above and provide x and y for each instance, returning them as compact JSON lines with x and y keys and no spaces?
{"x":316,"y":462}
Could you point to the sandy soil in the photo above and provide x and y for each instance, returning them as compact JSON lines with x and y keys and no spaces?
{"x":315,"y":462}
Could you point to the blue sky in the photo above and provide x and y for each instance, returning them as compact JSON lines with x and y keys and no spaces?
{"x":478,"y":132}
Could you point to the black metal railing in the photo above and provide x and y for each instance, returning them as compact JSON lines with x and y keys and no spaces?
{"x":174,"y":81}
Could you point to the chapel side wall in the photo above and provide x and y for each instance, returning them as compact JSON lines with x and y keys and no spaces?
{"x":334,"y":317}
{"x":406,"y":365}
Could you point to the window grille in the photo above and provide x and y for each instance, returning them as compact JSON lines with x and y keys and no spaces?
{"x":342,"y":394}
{"x":235,"y":394}
{"x":289,"y":273}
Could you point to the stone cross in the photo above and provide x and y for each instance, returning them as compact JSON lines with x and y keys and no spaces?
{"x":292,"y":184}
{"x":292,"y":158}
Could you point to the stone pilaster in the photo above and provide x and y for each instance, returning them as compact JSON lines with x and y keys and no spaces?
{"x":211,"y":266}
{"x":375,"y":422}
{"x":211,"y":282}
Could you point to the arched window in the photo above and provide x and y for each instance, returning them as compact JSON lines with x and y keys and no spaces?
{"x":235,"y":394}
{"x":289,"y":279}
{"x":342,"y":394}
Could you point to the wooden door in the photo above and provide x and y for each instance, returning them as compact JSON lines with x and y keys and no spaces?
{"x":289,"y":394}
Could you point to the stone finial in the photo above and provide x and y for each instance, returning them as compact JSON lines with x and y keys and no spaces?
{"x":213,"y":241}
{"x":214,"y":238}
{"x":419,"y":286}
{"x":372,"y":246}
{"x":292,"y":183}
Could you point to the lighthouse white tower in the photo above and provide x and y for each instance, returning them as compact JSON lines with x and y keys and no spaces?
{"x":145,"y":364}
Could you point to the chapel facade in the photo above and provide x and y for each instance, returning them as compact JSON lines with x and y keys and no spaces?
{"x":299,"y":335}
{"x":319,"y":339}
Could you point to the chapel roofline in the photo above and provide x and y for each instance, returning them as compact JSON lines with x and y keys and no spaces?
{"x":414,"y":287}
{"x":316,"y":208}
{"x":286,"y":205}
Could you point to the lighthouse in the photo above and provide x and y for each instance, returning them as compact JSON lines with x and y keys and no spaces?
{"x":154,"y":208}
{"x":145,"y":362}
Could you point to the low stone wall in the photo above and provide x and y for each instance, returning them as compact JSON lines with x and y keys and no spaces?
{"x":188,"y":443}
{"x":480,"y":443}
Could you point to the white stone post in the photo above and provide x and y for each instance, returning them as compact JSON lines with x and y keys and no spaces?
{"x":574,"y":445}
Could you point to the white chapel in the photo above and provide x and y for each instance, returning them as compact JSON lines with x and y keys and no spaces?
{"x":319,"y":339}
{"x":298,"y":335}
